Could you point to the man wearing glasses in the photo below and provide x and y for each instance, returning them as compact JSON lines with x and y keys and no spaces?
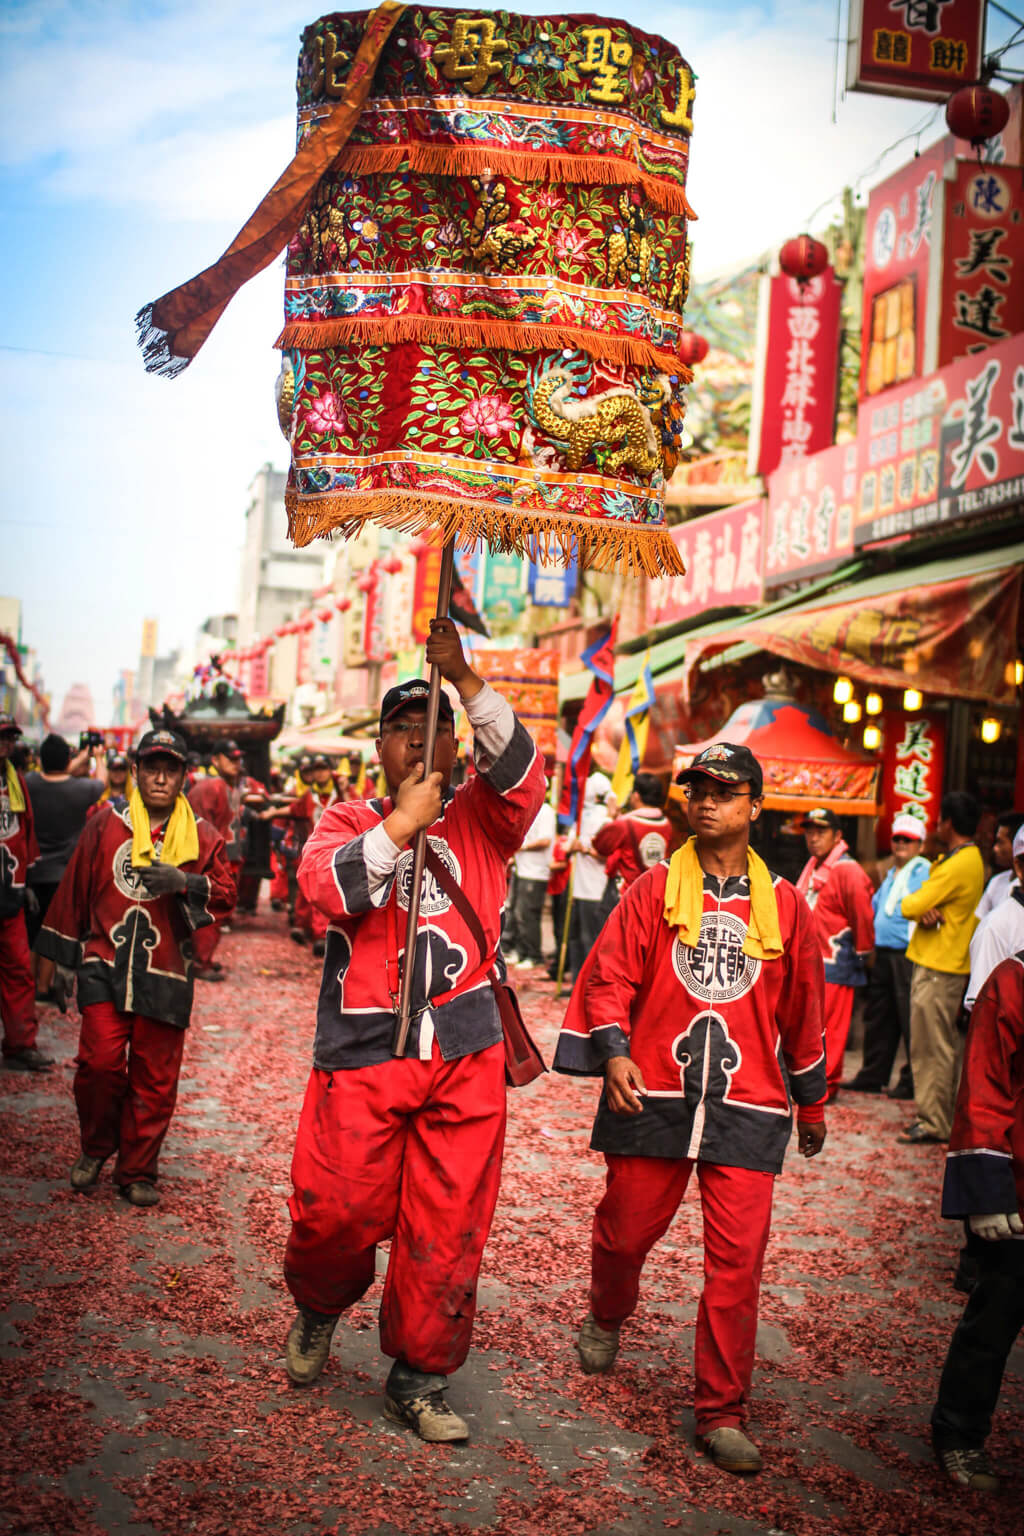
{"x":702,"y":1010}
{"x":409,"y":1149}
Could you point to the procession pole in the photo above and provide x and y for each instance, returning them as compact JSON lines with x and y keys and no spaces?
{"x":564,"y":944}
{"x":419,"y":854}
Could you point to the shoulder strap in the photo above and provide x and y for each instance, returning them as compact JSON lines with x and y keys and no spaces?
{"x":458,"y":899}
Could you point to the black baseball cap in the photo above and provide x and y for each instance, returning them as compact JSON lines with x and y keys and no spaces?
{"x":8,"y":725}
{"x":416,"y":691}
{"x":162,"y":743}
{"x":116,"y":760}
{"x":227,"y":748}
{"x":320,"y":761}
{"x":821,"y":817}
{"x":727,"y":763}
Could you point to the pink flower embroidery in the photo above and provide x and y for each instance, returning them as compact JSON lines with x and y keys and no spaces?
{"x":326,"y":415}
{"x":421,"y":48}
{"x":490,"y":414}
{"x":570,"y":245}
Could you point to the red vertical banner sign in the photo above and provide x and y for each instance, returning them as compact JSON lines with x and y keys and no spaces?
{"x":258,"y":673}
{"x":374,"y":636}
{"x":918,"y":48}
{"x":913,"y":763}
{"x":897,"y":261}
{"x":983,"y":259}
{"x":798,"y":366}
{"x":424,"y":592}
{"x":303,"y":648}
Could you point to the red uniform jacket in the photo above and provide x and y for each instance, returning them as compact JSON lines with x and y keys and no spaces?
{"x":844,"y":920}
{"x":632,"y":844}
{"x":726,"y":1043}
{"x":221,"y":804}
{"x":131,"y":949}
{"x":18,"y":847}
{"x":482,"y":824}
{"x":985,"y":1161}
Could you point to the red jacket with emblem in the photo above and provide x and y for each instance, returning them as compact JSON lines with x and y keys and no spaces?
{"x":128,"y":948}
{"x":633,"y":843}
{"x":18,"y":847}
{"x":726,"y":1043}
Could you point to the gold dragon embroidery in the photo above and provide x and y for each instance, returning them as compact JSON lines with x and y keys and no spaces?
{"x":495,"y":237}
{"x":583,"y":423}
{"x":630,"y":250}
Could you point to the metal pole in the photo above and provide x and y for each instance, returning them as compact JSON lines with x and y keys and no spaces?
{"x":419,"y":852}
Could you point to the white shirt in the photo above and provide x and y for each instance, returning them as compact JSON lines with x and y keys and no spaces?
{"x":998,"y":936}
{"x":535,"y":863}
{"x":995,"y":893}
{"x":589,"y":878}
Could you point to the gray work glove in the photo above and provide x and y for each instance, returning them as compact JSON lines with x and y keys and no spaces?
{"x":997,"y":1227}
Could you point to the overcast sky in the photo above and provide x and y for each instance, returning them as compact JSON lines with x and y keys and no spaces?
{"x":134,"y":141}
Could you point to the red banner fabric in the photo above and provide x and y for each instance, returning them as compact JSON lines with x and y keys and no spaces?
{"x":528,"y":679}
{"x":983,"y":259}
{"x":954,"y":637}
{"x":917,"y":48}
{"x":722,"y":556}
{"x":809,"y":518}
{"x":424,"y":592}
{"x":913,"y":763}
{"x":944,"y":448}
{"x":801,"y":357}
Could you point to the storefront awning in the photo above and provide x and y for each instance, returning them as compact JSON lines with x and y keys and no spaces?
{"x":948,"y":627}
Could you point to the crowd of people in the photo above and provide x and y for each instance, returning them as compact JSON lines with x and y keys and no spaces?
{"x":716,"y":1005}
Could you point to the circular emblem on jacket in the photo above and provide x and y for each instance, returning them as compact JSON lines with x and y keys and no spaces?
{"x":432,"y":898}
{"x":651,"y":849}
{"x":8,"y":822}
{"x":130,"y":886}
{"x":716,"y":970}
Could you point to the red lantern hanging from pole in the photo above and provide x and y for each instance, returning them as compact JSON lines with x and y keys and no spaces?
{"x":693,"y":349}
{"x":977,"y":114}
{"x":803,"y":258}
{"x":343,"y":604}
{"x":392,"y":566}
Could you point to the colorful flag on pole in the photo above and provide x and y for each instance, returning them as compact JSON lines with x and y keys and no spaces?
{"x":600,"y":658}
{"x":634,"y":741}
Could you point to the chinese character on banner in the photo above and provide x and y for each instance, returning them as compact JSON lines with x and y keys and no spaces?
{"x":983,"y":266}
{"x":810,"y":515}
{"x":913,"y":763}
{"x":795,"y":382}
{"x":424,"y":593}
{"x":918,"y":48}
{"x":722,"y":555}
{"x":258,"y":674}
{"x":552,"y":586}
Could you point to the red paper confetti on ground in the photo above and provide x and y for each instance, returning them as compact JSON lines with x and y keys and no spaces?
{"x":142,"y":1351}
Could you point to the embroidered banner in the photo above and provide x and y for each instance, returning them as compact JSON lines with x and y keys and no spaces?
{"x":528,"y":679}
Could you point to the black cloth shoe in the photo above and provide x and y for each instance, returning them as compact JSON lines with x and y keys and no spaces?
{"x":855,"y":1085}
{"x":28,"y":1059}
{"x":308,"y":1345}
{"x":901,"y":1091}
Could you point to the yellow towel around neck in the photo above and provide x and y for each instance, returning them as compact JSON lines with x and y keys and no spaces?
{"x":684,"y":902}
{"x":15,"y":795}
{"x":181,"y":836}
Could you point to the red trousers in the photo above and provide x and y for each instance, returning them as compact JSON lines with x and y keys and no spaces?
{"x":17,"y":986}
{"x":205,"y":940}
{"x":838,"y":1013}
{"x":411,"y":1151}
{"x":641,"y":1198}
{"x":310,"y":918}
{"x":279,"y":883}
{"x":126,"y":1085}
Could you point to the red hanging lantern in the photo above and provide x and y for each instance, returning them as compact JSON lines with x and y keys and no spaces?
{"x":392,"y":566}
{"x":418,"y":548}
{"x":976,"y":113}
{"x":281,"y":630}
{"x":367,"y":581}
{"x":693,"y":349}
{"x":307,"y":624}
{"x":803,"y":258}
{"x":325,"y":615}
{"x":343,"y":604}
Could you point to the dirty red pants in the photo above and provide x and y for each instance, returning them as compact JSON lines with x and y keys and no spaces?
{"x":17,"y":986}
{"x":205,"y":940}
{"x":126,"y":1085}
{"x":641,"y":1198}
{"x":408,"y":1150}
{"x":309,"y":918}
{"x":279,"y":883}
{"x":838,"y":1013}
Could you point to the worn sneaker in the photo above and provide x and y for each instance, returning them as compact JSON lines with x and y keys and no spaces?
{"x":28,"y":1059}
{"x":596,"y":1346}
{"x":968,"y":1467}
{"x":730,"y":1449}
{"x":319,"y":948}
{"x":297,"y":935}
{"x":430,"y":1416}
{"x":85,"y":1171}
{"x":308,"y":1345}
{"x":139,"y":1192}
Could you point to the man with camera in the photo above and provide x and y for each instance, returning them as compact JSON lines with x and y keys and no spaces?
{"x":62,"y":795}
{"x":143,"y":879}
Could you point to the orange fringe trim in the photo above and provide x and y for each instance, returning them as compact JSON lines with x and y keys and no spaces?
{"x":534,"y":165}
{"x":461,"y":331}
{"x":601,"y":544}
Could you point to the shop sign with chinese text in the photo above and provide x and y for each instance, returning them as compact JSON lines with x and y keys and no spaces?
{"x":913,"y":763}
{"x":917,"y":48}
{"x":503,"y":595}
{"x":949,"y":447}
{"x":983,"y":258}
{"x":552,"y":585}
{"x":808,"y":524}
{"x":797,"y":370}
{"x":722,"y":556}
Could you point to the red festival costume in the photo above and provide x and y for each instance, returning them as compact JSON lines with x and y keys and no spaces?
{"x":308,"y":809}
{"x":839,"y":894}
{"x":726,"y":1044}
{"x":18,"y":850}
{"x":132,"y":955}
{"x":632,"y":843}
{"x":409,"y":1149}
{"x":220,"y":803}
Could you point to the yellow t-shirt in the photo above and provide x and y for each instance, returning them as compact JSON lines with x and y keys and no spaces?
{"x":955,"y":886}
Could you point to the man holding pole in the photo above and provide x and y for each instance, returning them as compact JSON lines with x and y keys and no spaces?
{"x":409,"y":1147}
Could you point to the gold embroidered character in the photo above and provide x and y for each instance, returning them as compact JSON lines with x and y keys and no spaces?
{"x":474,"y":52}
{"x":330,"y":65}
{"x":603,"y":59}
{"x":681,"y":115}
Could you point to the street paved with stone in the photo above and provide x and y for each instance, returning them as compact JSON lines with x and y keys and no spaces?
{"x":144,"y":1392}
